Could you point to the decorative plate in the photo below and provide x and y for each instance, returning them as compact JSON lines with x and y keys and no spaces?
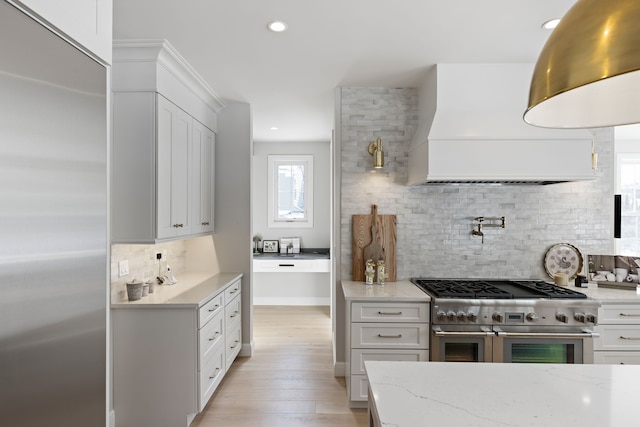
{"x":563,"y":258}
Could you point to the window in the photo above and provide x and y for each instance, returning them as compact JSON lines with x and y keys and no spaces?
{"x":290,"y":198}
{"x":628,"y":184}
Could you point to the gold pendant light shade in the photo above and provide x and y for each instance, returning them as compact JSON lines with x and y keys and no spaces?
{"x":588,"y":73}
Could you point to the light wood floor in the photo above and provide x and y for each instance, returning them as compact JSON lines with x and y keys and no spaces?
{"x":289,"y":380}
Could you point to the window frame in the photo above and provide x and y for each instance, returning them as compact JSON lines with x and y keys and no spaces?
{"x":274,"y":161}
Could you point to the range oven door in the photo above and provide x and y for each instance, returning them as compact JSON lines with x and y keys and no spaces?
{"x":460,"y":344}
{"x":550,"y":345}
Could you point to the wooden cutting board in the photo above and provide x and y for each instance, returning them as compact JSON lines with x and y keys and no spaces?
{"x":385,"y":231}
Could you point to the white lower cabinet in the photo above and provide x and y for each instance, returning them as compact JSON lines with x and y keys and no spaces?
{"x":619,"y":329}
{"x":386,"y":331}
{"x":169,"y":359}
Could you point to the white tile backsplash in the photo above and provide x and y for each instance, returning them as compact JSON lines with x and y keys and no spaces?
{"x":142,"y":264}
{"x":435,"y":221}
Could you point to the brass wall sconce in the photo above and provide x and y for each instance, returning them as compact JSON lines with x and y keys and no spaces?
{"x":375,"y":149}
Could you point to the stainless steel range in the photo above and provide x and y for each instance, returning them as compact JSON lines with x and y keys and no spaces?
{"x":509,"y":321}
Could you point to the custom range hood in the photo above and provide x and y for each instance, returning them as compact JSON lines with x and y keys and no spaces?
{"x":471,"y":131}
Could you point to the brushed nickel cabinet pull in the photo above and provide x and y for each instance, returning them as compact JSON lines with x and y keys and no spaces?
{"x":217,"y":369}
{"x":205,"y":223}
{"x":214,"y":308}
{"x":629,"y":315}
{"x":214,"y":336}
{"x":390,"y":313}
{"x":629,"y":338}
{"x":235,"y":345}
{"x":234,"y":291}
{"x":235,"y":313}
{"x":390,"y":336}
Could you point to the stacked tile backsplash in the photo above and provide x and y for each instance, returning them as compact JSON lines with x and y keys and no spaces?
{"x":142,"y":264}
{"x":435,"y":221}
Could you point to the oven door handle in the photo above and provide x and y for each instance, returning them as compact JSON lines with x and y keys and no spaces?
{"x":439,"y":332}
{"x":583,"y":334}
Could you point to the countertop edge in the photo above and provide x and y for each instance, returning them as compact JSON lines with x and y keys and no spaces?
{"x":205,"y":288}
{"x":399,"y":291}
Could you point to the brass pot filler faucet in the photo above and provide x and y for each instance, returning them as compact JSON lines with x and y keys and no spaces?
{"x":492,"y":222}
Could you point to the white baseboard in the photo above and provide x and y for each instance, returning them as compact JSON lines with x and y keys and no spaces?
{"x":291,"y":301}
{"x":247,"y":349}
{"x":339,"y":369}
{"x":111,"y":422}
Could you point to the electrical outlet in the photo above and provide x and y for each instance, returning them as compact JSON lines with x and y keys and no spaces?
{"x":123,"y":268}
{"x":157,"y":256}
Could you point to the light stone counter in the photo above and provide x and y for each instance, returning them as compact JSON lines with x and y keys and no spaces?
{"x":192,"y":290}
{"x":414,"y":394}
{"x":402,"y":290}
{"x":609,"y":295}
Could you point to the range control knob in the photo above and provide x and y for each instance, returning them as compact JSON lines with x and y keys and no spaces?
{"x":472,"y":317}
{"x":451,"y":315}
{"x":441,"y":315}
{"x":462,"y":316}
{"x":592,"y":318}
{"x":579,"y":317}
{"x":562,"y":318}
{"x":532,"y":317}
{"x":498,"y":317}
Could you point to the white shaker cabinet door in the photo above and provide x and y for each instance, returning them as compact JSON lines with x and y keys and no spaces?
{"x":174,"y":129}
{"x":203,"y":174}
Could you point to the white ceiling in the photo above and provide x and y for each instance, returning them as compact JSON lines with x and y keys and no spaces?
{"x":289,"y":78}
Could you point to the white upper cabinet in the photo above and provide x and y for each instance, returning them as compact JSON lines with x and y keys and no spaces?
{"x":174,"y":152}
{"x":203,"y":166}
{"x":164,"y":124}
{"x":86,"y":22}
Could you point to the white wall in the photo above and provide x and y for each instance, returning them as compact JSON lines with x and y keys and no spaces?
{"x":319,"y":235}
{"x":232,"y":236}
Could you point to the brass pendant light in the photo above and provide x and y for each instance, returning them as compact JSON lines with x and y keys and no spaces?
{"x":588,"y":73}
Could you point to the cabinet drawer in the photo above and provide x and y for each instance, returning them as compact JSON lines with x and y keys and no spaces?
{"x":616,"y":357}
{"x":210,"y":309}
{"x":620,"y":314}
{"x":390,"y":335}
{"x":617,"y":337}
{"x":359,"y":388}
{"x":211,"y":376}
{"x":211,"y":337}
{"x":231,"y":291}
{"x":234,"y":343}
{"x":359,"y":356}
{"x":389,"y":312}
{"x":290,"y":265}
{"x":233,"y":313}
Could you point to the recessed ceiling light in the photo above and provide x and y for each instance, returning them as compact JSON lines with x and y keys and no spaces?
{"x":551,"y":24}
{"x":277,"y":26}
{"x":273,"y":128}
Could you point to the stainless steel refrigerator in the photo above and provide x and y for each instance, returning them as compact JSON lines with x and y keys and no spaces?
{"x":53,"y":228}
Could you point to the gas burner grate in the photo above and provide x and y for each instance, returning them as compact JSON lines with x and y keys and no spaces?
{"x":549,"y":290}
{"x":494,"y":289}
{"x":461,"y":289}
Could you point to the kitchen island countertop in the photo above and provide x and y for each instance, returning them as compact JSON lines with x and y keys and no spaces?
{"x":414,"y":394}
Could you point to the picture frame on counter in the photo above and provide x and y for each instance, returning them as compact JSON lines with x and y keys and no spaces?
{"x":269,"y":246}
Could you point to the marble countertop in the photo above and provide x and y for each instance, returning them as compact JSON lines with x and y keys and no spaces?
{"x":609,"y":295}
{"x":413,"y":394}
{"x":192,"y":290}
{"x":402,"y":290}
